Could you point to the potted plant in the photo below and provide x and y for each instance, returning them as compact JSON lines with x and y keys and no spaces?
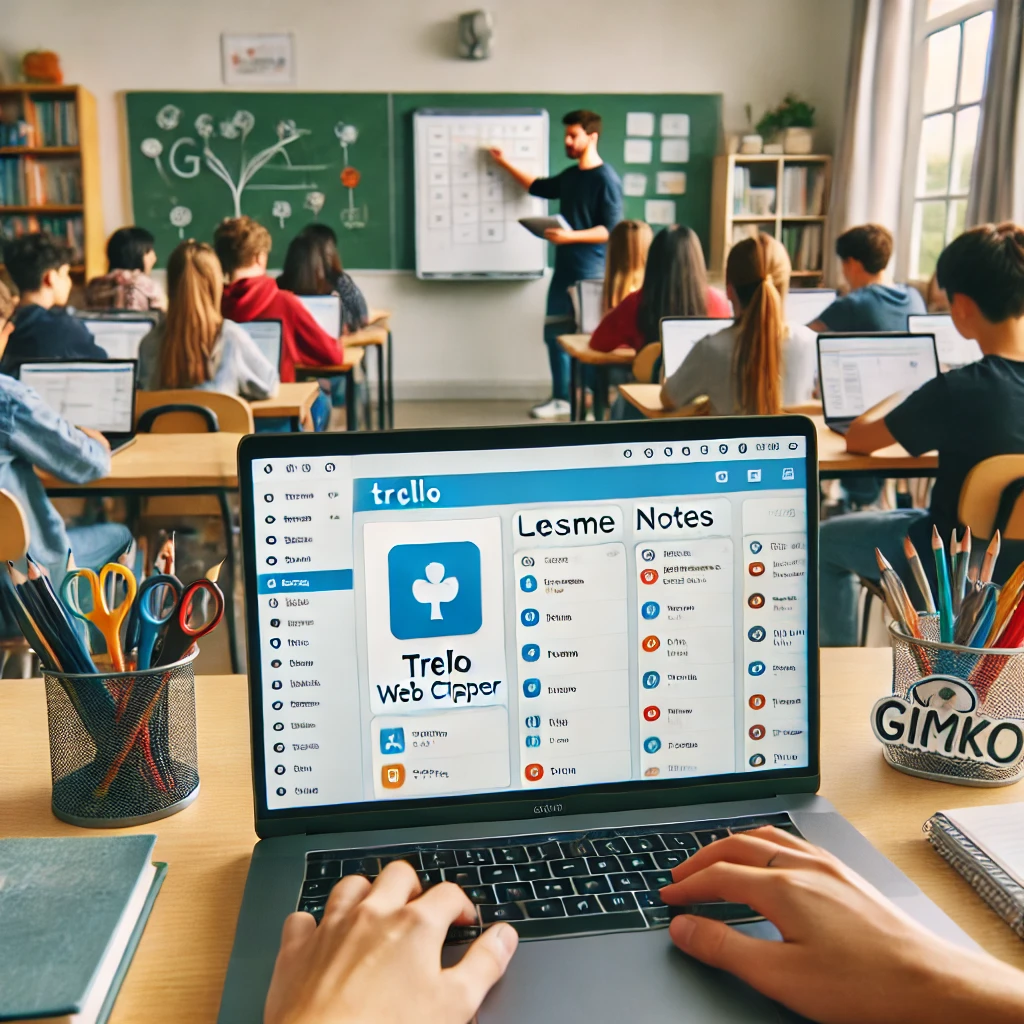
{"x":791,"y":122}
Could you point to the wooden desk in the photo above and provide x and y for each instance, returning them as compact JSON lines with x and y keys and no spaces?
{"x":292,"y":401}
{"x":179,"y":969}
{"x":580,"y":352}
{"x":353,"y":360}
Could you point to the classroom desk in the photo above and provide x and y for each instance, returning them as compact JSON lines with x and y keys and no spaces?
{"x":179,"y":968}
{"x":353,"y":360}
{"x":373,"y":338}
{"x":580,"y":352}
{"x":292,"y":401}
{"x":382,"y":318}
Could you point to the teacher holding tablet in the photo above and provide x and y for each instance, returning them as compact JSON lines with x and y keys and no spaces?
{"x":590,"y":200}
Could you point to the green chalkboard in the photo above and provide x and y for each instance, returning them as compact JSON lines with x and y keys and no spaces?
{"x":196,"y":157}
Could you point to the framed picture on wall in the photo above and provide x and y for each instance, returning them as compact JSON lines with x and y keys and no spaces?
{"x":262,"y":59}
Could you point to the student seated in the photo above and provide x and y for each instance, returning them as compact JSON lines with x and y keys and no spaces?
{"x":759,"y":364}
{"x":196,"y":347}
{"x":127,"y":284}
{"x":675,"y":284}
{"x":40,"y":266}
{"x":967,"y":415}
{"x":870,"y":305}
{"x":312,"y":266}
{"x":628,"y":245}
{"x":848,"y":955}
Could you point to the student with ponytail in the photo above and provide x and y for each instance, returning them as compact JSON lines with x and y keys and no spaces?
{"x":759,"y":364}
{"x":196,"y":347}
{"x":625,"y":263}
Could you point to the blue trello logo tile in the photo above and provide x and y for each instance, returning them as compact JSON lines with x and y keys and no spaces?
{"x":392,"y":741}
{"x":434,"y":589}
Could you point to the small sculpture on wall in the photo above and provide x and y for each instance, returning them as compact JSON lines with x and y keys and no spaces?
{"x":476,"y":35}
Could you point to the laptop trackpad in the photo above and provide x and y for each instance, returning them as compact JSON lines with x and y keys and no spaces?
{"x":617,"y":977}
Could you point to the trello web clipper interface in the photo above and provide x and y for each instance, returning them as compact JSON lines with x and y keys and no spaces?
{"x":442,"y":623}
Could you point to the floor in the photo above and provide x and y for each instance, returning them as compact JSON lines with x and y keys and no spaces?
{"x":448,"y":413}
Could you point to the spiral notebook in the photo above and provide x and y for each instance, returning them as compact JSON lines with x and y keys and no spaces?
{"x":986,"y":846}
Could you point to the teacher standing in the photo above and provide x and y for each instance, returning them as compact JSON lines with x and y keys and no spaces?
{"x":590,"y":199}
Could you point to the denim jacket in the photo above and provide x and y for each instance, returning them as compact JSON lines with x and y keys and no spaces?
{"x":34,"y":435}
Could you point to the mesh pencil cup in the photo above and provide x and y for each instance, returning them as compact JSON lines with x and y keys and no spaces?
{"x":123,"y":744}
{"x":956,"y":714}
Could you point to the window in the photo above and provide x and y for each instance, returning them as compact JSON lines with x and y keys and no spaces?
{"x":951,"y":60}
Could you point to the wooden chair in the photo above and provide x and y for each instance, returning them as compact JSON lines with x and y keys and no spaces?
{"x":232,"y":413}
{"x":14,"y":540}
{"x":992,"y":498}
{"x":647,"y":365}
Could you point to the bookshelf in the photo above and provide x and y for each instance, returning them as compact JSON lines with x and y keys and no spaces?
{"x":49,"y":169}
{"x":785,"y":196}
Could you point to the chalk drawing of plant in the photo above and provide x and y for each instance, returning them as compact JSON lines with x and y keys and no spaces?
{"x":168,"y":117}
{"x":282,"y":210}
{"x":352,"y":217}
{"x":153,"y":148}
{"x":181,"y":217}
{"x":314,"y":202}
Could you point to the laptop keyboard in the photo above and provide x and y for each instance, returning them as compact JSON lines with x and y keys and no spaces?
{"x":548,"y":884}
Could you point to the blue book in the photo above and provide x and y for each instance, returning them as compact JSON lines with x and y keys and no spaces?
{"x":72,"y":912}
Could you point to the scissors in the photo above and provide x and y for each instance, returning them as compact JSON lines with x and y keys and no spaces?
{"x":179,"y":631}
{"x":107,"y":618}
{"x":157,"y":600}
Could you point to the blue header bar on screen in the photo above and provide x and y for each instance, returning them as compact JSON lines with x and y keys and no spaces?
{"x":304,"y":582}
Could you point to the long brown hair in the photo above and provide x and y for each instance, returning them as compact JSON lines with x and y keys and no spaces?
{"x":195,"y":283}
{"x":675,"y":280}
{"x":312,"y":264}
{"x":758,"y":270}
{"x":625,"y":262}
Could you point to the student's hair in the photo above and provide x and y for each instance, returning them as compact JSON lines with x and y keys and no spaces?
{"x":127,"y":248}
{"x":29,"y":258}
{"x":987,"y":265}
{"x":195,"y":284}
{"x":758,"y":269}
{"x":675,"y":280}
{"x":589,"y":121}
{"x":312,"y":265}
{"x":869,"y":244}
{"x":8,"y":304}
{"x":625,"y":262}
{"x":238,"y":242}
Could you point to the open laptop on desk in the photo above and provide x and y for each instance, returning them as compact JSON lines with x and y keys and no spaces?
{"x":267,"y":336}
{"x":326,"y":311}
{"x":953,"y":348}
{"x":119,"y":337}
{"x":678,"y":336}
{"x":96,"y":393}
{"x":805,"y":305}
{"x":543,"y":663}
{"x":857,"y":371}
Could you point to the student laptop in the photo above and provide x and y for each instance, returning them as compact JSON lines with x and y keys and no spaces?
{"x":539,"y":662}
{"x":953,"y":348}
{"x":805,"y":305}
{"x":678,"y":336}
{"x":857,"y":371}
{"x":326,"y":310}
{"x":96,"y":393}
{"x":587,"y":298}
{"x":119,"y":337}
{"x":267,"y":336}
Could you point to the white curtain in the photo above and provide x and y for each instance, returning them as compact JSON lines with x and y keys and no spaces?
{"x":868,"y":166}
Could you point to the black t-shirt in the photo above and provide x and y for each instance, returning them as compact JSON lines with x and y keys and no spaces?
{"x":968,"y":415}
{"x":587,"y":199}
{"x":47,"y":334}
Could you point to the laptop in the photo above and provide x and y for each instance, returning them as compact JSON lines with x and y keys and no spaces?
{"x":326,"y":310}
{"x":96,"y":393}
{"x":805,"y":305}
{"x":267,"y":336}
{"x":538,"y":662}
{"x":119,"y":337}
{"x":587,"y":296}
{"x":954,"y":349}
{"x":678,"y":336}
{"x":857,"y":371}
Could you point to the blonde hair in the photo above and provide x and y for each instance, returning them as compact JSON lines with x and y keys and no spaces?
{"x":758,"y":270}
{"x":625,"y":262}
{"x":195,"y":284}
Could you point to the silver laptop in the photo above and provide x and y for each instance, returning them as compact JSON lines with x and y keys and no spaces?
{"x":326,"y":310}
{"x":805,"y":305}
{"x":857,"y":371}
{"x":267,"y":336}
{"x":541,"y":663}
{"x":678,"y":336}
{"x":953,"y":348}
{"x":119,"y":336}
{"x":96,"y":393}
{"x":587,"y":296}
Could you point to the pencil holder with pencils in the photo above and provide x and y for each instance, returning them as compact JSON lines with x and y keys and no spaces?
{"x":123,"y":744}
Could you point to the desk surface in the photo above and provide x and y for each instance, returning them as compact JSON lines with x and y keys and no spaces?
{"x":578,"y":346}
{"x":373,"y":334}
{"x":179,"y":968}
{"x":291,"y":400}
{"x":353,"y":357}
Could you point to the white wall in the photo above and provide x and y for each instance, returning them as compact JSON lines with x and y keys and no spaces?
{"x":452,"y":339}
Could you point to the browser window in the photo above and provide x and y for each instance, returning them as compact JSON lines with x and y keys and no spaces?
{"x":120,"y":339}
{"x":953,"y":348}
{"x":680,"y":334}
{"x":99,"y":395}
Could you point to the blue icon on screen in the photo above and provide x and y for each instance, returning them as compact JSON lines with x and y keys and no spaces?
{"x":531,"y":652}
{"x":528,"y":584}
{"x":757,"y":634}
{"x":756,"y":668}
{"x":652,"y":744}
{"x":529,"y":616}
{"x":531,"y":687}
{"x":651,"y":680}
{"x":392,"y":741}
{"x":533,"y":741}
{"x":533,"y":721}
{"x":755,"y":547}
{"x":434,"y":589}
{"x":650,"y":610}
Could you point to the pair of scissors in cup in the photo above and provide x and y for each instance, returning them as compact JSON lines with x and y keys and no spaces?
{"x":107,"y":618}
{"x":164,"y":609}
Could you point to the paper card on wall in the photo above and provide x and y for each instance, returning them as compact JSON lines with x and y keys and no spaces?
{"x":660,"y":211}
{"x":639,"y":151}
{"x":639,"y":124}
{"x":675,"y":151}
{"x":634,"y":184}
{"x":675,"y":124}
{"x":671,"y":183}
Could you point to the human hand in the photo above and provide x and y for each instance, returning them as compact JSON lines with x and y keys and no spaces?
{"x":497,"y":154}
{"x":558,"y":236}
{"x":376,"y":956}
{"x":96,"y":436}
{"x":849,"y":954}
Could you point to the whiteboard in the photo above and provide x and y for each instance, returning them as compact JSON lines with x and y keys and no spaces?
{"x":468,"y":208}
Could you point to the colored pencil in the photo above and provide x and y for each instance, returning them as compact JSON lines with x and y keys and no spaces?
{"x":945,"y":594}
{"x":917,"y":568}
{"x":960,"y":580}
{"x":988,"y":566}
{"x":983,"y":624}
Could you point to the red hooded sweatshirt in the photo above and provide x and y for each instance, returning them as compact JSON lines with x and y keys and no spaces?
{"x":303,"y":340}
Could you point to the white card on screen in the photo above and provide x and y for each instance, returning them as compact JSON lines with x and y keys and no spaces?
{"x":538,"y":225}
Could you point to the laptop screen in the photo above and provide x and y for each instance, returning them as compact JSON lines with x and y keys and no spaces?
{"x":859,"y":371}
{"x":805,"y":305}
{"x":447,"y":623}
{"x":120,"y":339}
{"x":267,"y":336}
{"x":99,"y":394}
{"x":678,"y":336}
{"x":589,"y":299}
{"x":953,"y":348}
{"x":326,"y":310}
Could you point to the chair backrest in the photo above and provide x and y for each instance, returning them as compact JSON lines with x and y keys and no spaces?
{"x":14,"y":535}
{"x":233,"y":413}
{"x":991,"y":497}
{"x":647,"y":365}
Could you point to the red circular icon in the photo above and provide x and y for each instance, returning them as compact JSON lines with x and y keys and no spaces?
{"x":652,"y":714}
{"x":756,"y":568}
{"x":649,"y":576}
{"x":534,"y":772}
{"x":650,"y":643}
{"x":756,"y":600}
{"x":350,"y":177}
{"x":757,"y":701}
{"x":756,"y":732}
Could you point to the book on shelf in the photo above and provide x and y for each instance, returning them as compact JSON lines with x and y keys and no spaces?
{"x":52,"y":122}
{"x":28,"y":181}
{"x":69,"y":229}
{"x":742,"y":231}
{"x":16,"y":133}
{"x":803,"y":242}
{"x":803,"y":191}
